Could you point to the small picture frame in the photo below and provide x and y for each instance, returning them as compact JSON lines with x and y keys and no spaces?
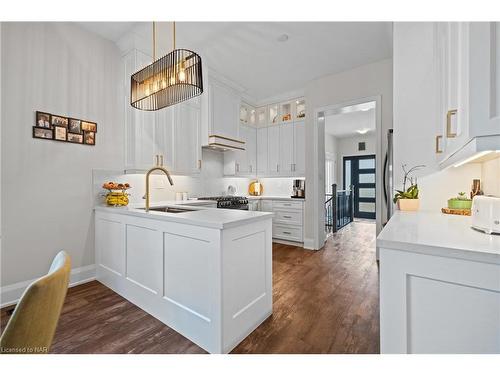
{"x":89,"y":126}
{"x":41,"y":132}
{"x":75,"y":126}
{"x":75,"y":138}
{"x":59,"y":121}
{"x":60,"y":133}
{"x":89,"y":138}
{"x":42,"y":120}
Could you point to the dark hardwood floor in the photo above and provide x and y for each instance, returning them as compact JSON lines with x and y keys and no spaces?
{"x":324,"y":301}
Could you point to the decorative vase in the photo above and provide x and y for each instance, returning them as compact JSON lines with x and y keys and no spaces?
{"x":408,"y":204}
{"x":460,"y":204}
{"x":117,"y":198}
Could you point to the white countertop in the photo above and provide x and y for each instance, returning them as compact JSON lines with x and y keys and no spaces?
{"x":438,"y":234}
{"x":275,"y":197}
{"x":200,"y":216}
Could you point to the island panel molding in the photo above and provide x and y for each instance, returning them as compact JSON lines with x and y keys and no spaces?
{"x":211,"y":282}
{"x":64,"y":129}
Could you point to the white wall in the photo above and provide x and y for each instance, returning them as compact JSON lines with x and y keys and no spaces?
{"x":46,"y":185}
{"x":362,"y":82}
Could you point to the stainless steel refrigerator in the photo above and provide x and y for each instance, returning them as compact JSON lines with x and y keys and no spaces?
{"x":388,"y":178}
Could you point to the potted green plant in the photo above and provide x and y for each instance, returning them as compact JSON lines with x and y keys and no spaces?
{"x":407,"y":198}
{"x":461,"y":202}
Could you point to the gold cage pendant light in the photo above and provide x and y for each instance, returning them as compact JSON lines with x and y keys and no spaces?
{"x":171,"y":79}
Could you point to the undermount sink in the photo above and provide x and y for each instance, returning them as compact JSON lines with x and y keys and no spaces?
{"x":171,"y":210}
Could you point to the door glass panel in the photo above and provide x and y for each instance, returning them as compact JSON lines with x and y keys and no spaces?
{"x":367,"y":193}
{"x":366,"y":207}
{"x":367,"y":178}
{"x":347,"y":174}
{"x":366,"y":163}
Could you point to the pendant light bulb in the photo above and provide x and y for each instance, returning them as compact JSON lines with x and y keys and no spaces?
{"x":182,"y":75}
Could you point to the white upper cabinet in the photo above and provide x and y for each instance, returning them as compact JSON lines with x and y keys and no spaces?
{"x":243,"y":162}
{"x":484,"y":83}
{"x":164,"y":136}
{"x":299,"y":141}
{"x":273,"y":150}
{"x":262,"y":152}
{"x":251,"y":150}
{"x":140,"y":140}
{"x":453,"y":40}
{"x":286,"y":149}
{"x":172,"y":134}
{"x":446,"y":91}
{"x":223,"y":111}
{"x":187,"y":149}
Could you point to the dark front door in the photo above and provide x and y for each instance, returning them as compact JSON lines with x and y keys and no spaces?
{"x":359,"y":171}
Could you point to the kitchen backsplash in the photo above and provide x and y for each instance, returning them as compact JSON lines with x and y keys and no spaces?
{"x":210,"y":182}
{"x":491,"y":177}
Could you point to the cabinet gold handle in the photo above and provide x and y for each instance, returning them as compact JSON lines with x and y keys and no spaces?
{"x":438,"y":139}
{"x":449,"y":133}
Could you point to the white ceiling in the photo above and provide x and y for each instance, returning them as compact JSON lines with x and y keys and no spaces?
{"x":347,"y":124}
{"x":250,"y":54}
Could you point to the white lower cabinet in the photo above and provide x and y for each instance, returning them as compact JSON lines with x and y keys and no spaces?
{"x":212,"y":285}
{"x":438,"y":304}
{"x":288,"y":219}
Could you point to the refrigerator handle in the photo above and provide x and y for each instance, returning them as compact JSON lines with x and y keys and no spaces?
{"x":384,"y":173}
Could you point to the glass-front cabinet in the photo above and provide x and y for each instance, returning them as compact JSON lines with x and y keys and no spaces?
{"x":300,"y":109}
{"x":286,"y":112}
{"x":273,"y":114}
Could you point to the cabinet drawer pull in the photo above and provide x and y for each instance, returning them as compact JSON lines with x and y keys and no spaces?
{"x":449,"y":133}
{"x":287,"y":217}
{"x":438,"y":140}
{"x":287,"y":233}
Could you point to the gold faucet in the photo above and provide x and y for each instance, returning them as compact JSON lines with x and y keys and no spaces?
{"x":157,"y":167}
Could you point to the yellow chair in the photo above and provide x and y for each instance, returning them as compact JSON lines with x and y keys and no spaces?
{"x":33,"y":323}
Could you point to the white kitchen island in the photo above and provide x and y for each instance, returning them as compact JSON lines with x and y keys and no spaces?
{"x":439,"y":285}
{"x":205,"y":273}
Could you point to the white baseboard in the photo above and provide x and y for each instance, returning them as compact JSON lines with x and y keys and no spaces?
{"x":10,"y":294}
{"x":309,"y":244}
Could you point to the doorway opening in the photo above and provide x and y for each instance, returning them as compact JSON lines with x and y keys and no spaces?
{"x":350,"y":164}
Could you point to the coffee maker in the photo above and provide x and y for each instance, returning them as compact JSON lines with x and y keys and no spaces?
{"x":299,"y":189}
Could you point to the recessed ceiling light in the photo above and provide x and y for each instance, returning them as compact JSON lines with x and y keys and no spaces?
{"x":363,"y":131}
{"x":283,"y":38}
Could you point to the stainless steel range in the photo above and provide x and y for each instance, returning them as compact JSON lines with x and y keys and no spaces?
{"x":230,"y":202}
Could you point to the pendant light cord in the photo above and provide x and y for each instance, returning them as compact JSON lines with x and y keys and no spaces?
{"x":154,"y":41}
{"x":174,"y":33}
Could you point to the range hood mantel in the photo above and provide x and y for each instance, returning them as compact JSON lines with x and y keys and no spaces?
{"x":221,"y":143}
